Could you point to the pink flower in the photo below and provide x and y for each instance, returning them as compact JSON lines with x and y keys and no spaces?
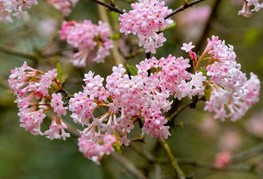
{"x":31,"y":120}
{"x":94,"y":147}
{"x":57,"y":130}
{"x":82,"y":108}
{"x":187,"y":47}
{"x":155,"y":126}
{"x":57,"y":104}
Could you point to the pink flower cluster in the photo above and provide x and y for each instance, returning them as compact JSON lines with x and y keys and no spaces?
{"x":108,"y":111}
{"x":15,"y":7}
{"x":146,"y":20}
{"x":34,"y":98}
{"x":92,"y":41}
{"x":232,"y":93}
{"x":247,"y":10}
{"x":63,"y":6}
{"x":129,"y":99}
{"x":95,"y":147}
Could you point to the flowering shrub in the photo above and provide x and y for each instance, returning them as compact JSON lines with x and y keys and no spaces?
{"x":107,"y":111}
{"x":140,"y":97}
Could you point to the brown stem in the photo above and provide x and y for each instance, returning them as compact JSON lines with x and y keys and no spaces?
{"x":243,"y":168}
{"x":208,"y":25}
{"x":176,"y":113}
{"x":179,"y":172}
{"x":109,"y":6}
{"x":18,"y":54}
{"x":115,"y":52}
{"x":183,"y":7}
{"x":128,"y":165}
{"x":255,"y":151}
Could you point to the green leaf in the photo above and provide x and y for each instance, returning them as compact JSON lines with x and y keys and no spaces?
{"x":171,"y":26}
{"x":115,"y":36}
{"x":203,"y":70}
{"x":59,"y":71}
{"x":114,"y":17}
{"x":132,"y":70}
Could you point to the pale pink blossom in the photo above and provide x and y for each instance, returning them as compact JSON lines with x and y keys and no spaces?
{"x":94,"y":146}
{"x":57,"y":130}
{"x":91,"y":40}
{"x":57,"y":104}
{"x":187,"y":47}
{"x":31,"y":120}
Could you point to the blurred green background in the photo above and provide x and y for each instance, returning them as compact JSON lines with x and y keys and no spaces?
{"x":25,"y":156}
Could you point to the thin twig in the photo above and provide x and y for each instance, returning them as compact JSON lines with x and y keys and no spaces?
{"x":71,"y":129}
{"x":115,"y":52}
{"x":210,"y":20}
{"x":194,"y":163}
{"x":210,"y":166}
{"x":59,"y":52}
{"x":183,"y":7}
{"x":250,"y":153}
{"x":179,"y":172}
{"x":148,"y":55}
{"x":148,"y":156}
{"x":109,"y":6}
{"x":178,"y":111}
{"x":18,"y":54}
{"x":128,"y":165}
